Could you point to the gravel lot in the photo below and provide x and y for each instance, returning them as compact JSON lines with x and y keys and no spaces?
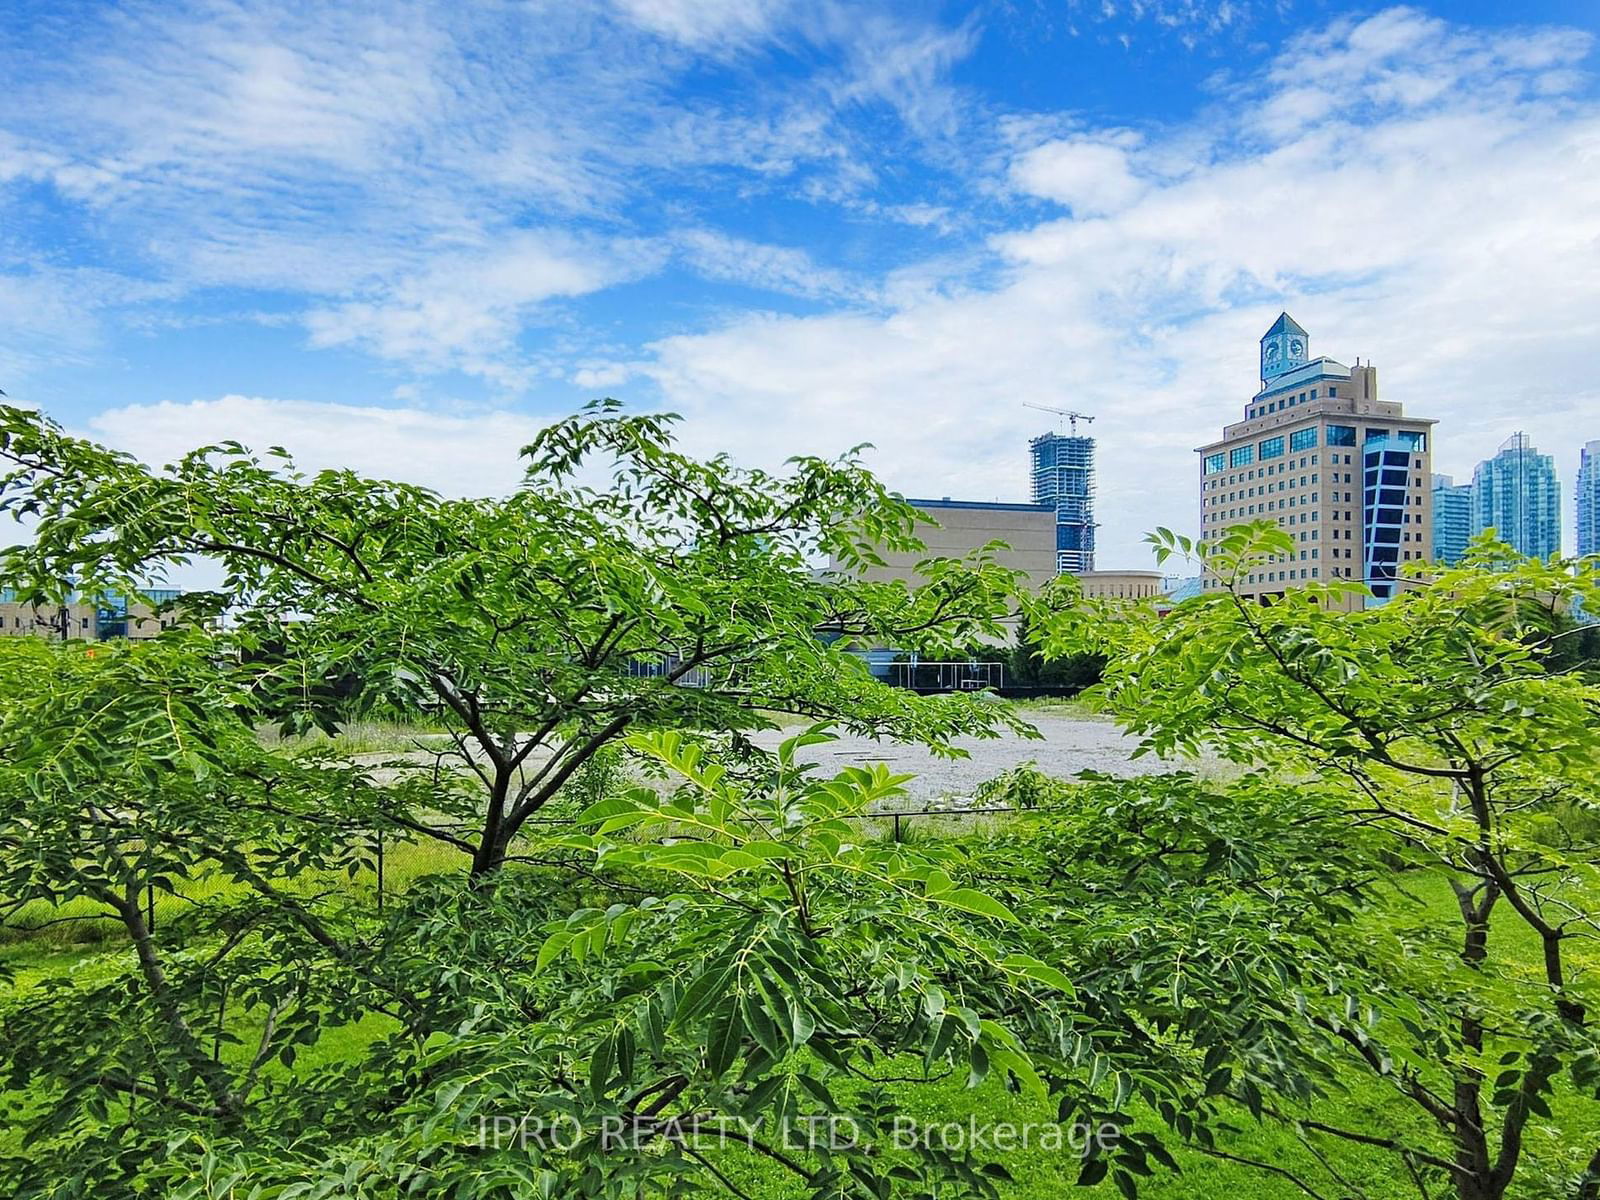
{"x":1070,"y":743}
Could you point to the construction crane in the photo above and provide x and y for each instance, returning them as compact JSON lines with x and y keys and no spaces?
{"x":1073,"y":417}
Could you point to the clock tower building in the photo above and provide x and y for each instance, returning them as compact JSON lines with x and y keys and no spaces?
{"x":1283,"y":348}
{"x":1345,"y":474}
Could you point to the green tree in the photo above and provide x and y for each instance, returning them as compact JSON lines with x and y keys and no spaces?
{"x":128,"y":774}
{"x":1438,"y":719}
{"x":540,"y":626}
{"x":1031,"y":667}
{"x":731,"y":955}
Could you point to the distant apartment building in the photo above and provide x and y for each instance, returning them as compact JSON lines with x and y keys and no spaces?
{"x":1344,"y":473}
{"x":1589,"y":499}
{"x":1063,"y":479}
{"x":1452,"y":519}
{"x":115,"y":617}
{"x":1517,"y":494}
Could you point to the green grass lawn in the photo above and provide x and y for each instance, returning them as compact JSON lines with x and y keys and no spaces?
{"x":85,"y":923}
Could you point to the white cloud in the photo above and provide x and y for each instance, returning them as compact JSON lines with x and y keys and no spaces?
{"x":466,"y":307}
{"x":706,"y":22}
{"x":901,"y":66}
{"x":462,"y":454}
{"x":1091,"y":176}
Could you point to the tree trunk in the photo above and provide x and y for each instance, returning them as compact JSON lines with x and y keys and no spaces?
{"x":207,"y":1070}
{"x":490,"y":856}
{"x":495,"y":838}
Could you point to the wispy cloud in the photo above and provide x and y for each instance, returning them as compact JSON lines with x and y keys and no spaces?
{"x":465,"y":308}
{"x":386,"y":161}
{"x":783,"y":269}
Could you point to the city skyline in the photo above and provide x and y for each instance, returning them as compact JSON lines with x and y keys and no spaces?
{"x":803,"y":227}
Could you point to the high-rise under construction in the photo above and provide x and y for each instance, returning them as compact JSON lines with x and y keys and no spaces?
{"x":1063,"y":477}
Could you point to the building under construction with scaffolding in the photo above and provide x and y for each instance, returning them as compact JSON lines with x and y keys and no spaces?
{"x":1063,"y":478}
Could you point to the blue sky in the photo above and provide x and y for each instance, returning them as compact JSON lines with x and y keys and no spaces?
{"x":400,"y":237}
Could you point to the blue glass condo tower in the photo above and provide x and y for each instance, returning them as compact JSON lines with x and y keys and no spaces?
{"x":1452,"y":519}
{"x":1589,"y":499}
{"x":1516,"y":494}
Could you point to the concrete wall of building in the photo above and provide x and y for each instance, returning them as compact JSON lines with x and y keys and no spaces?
{"x":1122,"y":585}
{"x":23,"y":620}
{"x":961,"y":526}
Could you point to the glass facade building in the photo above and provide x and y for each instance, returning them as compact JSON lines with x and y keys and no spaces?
{"x":1452,"y":519}
{"x":1385,"y":494}
{"x":1063,"y":478}
{"x":1589,"y":499}
{"x":1516,"y":494}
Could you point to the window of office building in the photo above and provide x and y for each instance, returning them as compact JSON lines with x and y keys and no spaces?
{"x":1413,"y":439}
{"x":1214,"y":463}
{"x":1272,"y":447}
{"x":1241,"y":456}
{"x":1303,"y":439}
{"x":1342,"y":435}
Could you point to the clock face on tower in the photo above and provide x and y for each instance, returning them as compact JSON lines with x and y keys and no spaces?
{"x":1271,"y":351}
{"x":1297,"y":348}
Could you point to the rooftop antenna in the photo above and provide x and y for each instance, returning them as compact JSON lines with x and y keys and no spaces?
{"x":1073,"y":417}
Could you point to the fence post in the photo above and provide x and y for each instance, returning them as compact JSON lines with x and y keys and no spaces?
{"x":380,"y":872}
{"x":150,"y":907}
{"x":897,"y":827}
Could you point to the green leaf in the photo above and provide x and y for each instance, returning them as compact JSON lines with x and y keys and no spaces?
{"x":723,"y":1038}
{"x":1032,"y":968}
{"x":600,"y":1066}
{"x":551,"y":950}
{"x":972,"y":901}
{"x":701,"y":993}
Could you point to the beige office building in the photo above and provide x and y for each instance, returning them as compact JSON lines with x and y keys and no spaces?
{"x":1344,"y":473}
{"x":961,"y":526}
{"x":57,"y":623}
